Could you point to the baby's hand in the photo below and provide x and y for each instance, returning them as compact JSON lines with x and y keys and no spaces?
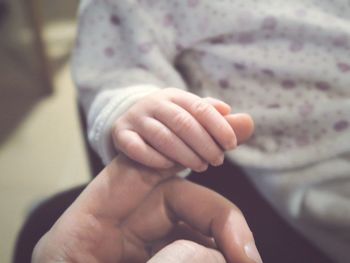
{"x":172,"y":126}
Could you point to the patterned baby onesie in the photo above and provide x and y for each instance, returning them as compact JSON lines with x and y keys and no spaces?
{"x":287,"y":63}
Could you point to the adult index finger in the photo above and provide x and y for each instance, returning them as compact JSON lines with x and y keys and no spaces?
{"x":213,"y":215}
{"x":202,"y":209}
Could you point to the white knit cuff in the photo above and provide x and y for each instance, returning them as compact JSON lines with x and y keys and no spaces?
{"x":118,"y":101}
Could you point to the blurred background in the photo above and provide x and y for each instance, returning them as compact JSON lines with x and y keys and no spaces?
{"x":41,"y":145}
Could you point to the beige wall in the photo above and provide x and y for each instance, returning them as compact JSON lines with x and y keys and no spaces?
{"x":41,"y":148}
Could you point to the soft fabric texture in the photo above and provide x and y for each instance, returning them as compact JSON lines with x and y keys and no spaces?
{"x":287,"y":63}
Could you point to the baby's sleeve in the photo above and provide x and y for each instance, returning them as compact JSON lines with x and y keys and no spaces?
{"x":122,"y":54}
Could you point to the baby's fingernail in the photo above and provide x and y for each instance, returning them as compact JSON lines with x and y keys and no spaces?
{"x":219,"y":161}
{"x":252,"y":252}
{"x":231,"y":145}
{"x":202,"y":168}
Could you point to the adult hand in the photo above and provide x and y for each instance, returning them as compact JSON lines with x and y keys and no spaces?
{"x":130,"y":213}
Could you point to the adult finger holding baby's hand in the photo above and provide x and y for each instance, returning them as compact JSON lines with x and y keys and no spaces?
{"x":108,"y":224}
{"x":174,"y":126}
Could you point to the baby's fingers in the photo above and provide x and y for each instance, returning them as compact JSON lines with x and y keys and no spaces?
{"x":132,"y":145}
{"x":219,"y":105}
{"x":241,"y":123}
{"x":209,"y":117}
{"x":187,"y":128}
{"x":166,"y":142}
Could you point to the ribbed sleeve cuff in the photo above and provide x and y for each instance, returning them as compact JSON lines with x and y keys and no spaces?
{"x":107,"y":108}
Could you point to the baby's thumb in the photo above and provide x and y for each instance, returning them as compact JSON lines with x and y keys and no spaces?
{"x":242,"y":124}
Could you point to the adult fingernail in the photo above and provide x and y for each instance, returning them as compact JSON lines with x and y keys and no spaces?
{"x":252,"y":252}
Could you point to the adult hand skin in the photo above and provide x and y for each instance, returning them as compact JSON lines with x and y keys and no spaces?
{"x":130,"y":213}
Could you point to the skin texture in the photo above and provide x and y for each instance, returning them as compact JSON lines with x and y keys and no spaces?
{"x":130,"y":213}
{"x":173,"y":127}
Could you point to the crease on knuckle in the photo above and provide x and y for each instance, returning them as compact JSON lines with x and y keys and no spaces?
{"x":182,"y":123}
{"x":200,"y":108}
{"x":162,"y":138}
